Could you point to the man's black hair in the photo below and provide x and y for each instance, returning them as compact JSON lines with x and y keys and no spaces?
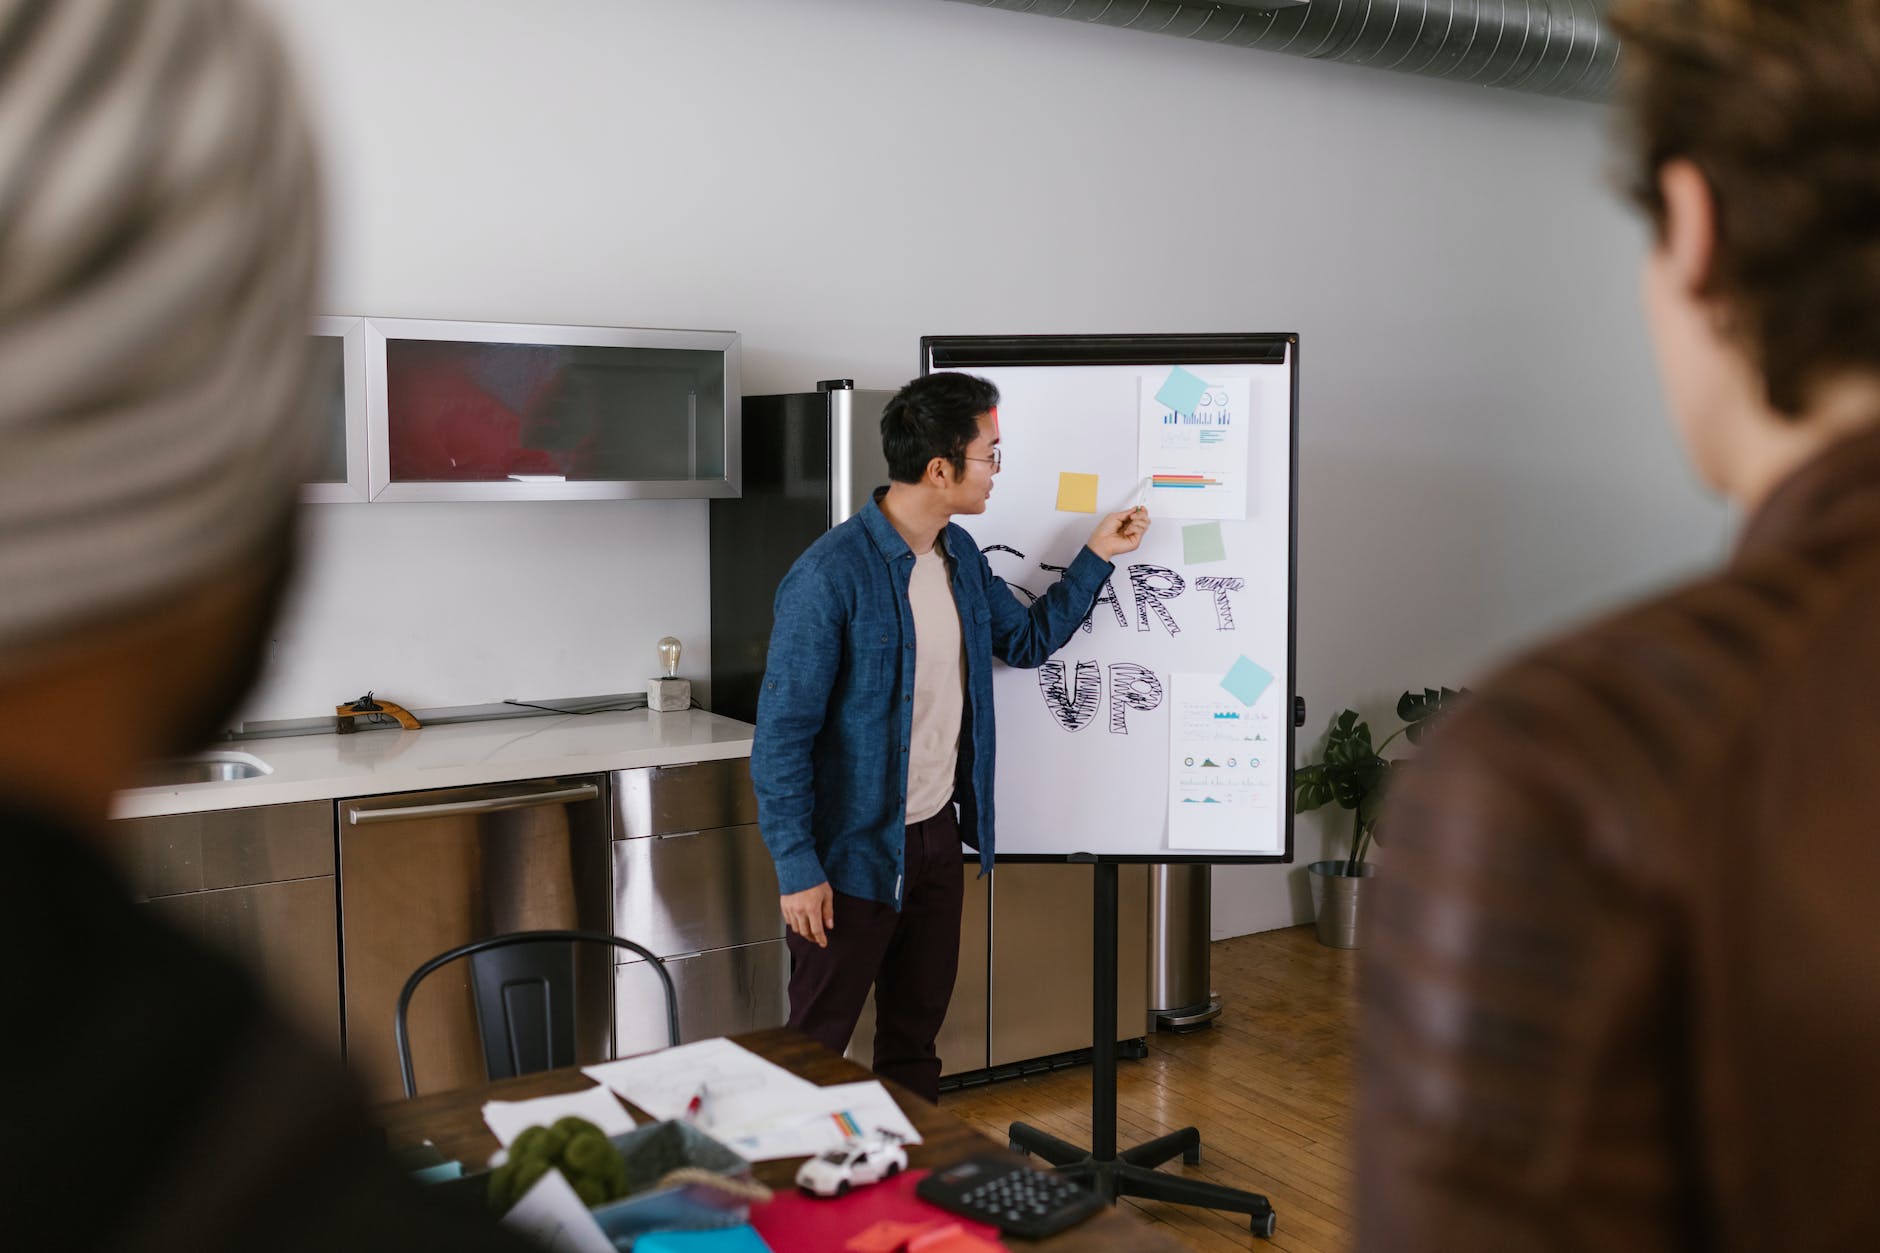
{"x":934,"y":416}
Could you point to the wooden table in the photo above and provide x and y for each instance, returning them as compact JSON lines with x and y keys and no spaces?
{"x":453,"y":1121}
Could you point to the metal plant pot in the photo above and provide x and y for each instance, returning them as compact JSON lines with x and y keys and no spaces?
{"x":1337,"y":897}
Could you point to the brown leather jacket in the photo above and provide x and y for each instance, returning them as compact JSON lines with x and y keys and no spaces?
{"x":1621,"y":979}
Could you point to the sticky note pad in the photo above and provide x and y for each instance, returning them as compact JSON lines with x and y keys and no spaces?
{"x":1077,"y":493}
{"x":1181,"y":391}
{"x":1246,"y":681}
{"x":739,"y":1239}
{"x":1202,"y":543}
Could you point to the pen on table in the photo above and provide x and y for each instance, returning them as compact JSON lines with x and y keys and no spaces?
{"x":695,"y":1108}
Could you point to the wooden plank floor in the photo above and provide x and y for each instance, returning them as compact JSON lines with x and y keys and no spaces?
{"x":1269,"y":1085}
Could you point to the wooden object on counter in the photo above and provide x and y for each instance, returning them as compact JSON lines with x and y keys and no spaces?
{"x":453,"y":1121}
{"x":345,"y":716}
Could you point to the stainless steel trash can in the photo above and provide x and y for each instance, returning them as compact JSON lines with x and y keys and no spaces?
{"x":1180,"y":993}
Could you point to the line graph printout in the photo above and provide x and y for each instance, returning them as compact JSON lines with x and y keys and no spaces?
{"x":1220,"y":781}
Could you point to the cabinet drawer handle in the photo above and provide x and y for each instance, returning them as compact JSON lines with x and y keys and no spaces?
{"x":482,"y":805}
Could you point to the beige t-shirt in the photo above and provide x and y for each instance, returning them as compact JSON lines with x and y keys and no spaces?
{"x":939,"y":687}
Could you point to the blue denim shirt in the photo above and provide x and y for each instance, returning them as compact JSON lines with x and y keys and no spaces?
{"x":836,"y":713}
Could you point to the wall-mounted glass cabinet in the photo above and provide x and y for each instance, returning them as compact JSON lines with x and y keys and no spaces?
{"x":512,"y":411}
{"x":503,"y":411}
{"x":339,"y":380}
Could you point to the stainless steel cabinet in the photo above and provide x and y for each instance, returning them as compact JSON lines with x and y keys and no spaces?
{"x":257,"y":884}
{"x":693,"y":882}
{"x":721,"y":992}
{"x":425,"y":871}
{"x":1041,"y":959}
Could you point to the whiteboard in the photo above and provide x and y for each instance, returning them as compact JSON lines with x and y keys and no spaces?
{"x":1162,"y":732}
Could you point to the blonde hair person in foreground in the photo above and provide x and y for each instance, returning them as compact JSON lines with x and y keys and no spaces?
{"x":1622,"y":990}
{"x":158,"y":247}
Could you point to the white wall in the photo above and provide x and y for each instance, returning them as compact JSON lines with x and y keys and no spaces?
{"x":1482,"y":453}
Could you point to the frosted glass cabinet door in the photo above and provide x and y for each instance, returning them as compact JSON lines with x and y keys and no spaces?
{"x":501,"y":411}
{"x":339,"y":407}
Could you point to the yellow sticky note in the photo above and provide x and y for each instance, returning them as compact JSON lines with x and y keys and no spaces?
{"x":1077,"y":493}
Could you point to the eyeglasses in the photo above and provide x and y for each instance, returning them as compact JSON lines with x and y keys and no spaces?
{"x":995,"y":460}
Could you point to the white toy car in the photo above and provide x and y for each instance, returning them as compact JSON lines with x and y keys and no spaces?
{"x":860,"y":1160}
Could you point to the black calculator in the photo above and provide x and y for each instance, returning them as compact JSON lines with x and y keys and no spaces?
{"x":1018,"y":1200}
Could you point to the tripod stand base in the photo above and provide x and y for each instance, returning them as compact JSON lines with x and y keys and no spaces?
{"x":1133,"y":1173}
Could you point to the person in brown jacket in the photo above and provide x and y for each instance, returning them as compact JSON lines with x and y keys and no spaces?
{"x":1621,"y":987}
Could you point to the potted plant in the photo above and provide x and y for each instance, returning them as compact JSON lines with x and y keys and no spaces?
{"x":1357,"y":775}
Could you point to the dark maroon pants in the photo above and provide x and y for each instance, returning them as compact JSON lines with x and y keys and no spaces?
{"x":909,"y":958}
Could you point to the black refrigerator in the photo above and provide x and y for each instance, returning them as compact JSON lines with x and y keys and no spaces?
{"x":811,"y":459}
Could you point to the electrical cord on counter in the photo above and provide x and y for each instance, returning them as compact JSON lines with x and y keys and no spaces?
{"x":603,"y":709}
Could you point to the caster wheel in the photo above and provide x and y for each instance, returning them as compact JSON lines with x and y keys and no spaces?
{"x":1264,"y":1225}
{"x":1018,"y":1148}
{"x":1192,"y":1157}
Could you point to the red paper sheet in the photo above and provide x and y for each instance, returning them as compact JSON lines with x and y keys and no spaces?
{"x":795,"y":1223}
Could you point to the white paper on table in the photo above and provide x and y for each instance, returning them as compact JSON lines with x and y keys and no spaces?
{"x":509,"y":1119}
{"x":664,"y":1083}
{"x":553,"y":1217}
{"x":1198,"y":465}
{"x":798,"y":1124}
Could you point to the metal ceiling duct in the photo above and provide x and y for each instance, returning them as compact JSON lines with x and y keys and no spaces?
{"x":1551,"y":47}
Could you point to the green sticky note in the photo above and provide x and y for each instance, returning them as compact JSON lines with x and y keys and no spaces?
{"x":1246,"y":680}
{"x":1077,"y":493}
{"x":1202,"y":543}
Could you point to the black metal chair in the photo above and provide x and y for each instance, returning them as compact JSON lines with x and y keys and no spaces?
{"x":524,"y":987}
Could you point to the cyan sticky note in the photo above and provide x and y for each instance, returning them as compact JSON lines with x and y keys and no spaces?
{"x":1246,"y":681}
{"x":1077,"y":493}
{"x":1181,"y":391}
{"x":739,"y":1239}
{"x":1202,"y":542}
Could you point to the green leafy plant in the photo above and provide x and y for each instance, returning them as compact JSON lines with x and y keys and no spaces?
{"x":1356,"y":775}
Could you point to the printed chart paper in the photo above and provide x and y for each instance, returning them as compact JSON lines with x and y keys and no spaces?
{"x":1196,"y":461}
{"x":786,"y":1123}
{"x":1218,"y":793}
{"x":722,"y":1073}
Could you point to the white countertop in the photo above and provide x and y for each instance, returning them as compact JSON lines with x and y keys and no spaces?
{"x":366,"y":763}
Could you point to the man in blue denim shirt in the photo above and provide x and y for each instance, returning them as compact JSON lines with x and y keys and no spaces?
{"x":875,"y":720}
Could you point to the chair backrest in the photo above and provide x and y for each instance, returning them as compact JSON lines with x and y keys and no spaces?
{"x":524,"y":985}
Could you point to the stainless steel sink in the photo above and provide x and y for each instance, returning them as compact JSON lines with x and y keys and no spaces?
{"x":204,"y":768}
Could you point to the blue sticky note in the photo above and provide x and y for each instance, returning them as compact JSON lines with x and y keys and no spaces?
{"x":1181,"y":391}
{"x":439,"y":1173}
{"x":740,"y":1239}
{"x":1246,"y":681}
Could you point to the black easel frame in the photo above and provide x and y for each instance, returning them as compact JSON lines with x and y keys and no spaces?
{"x":1132,"y":1172}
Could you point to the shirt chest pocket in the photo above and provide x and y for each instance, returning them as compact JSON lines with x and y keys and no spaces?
{"x":976,"y":629}
{"x":874,"y":654}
